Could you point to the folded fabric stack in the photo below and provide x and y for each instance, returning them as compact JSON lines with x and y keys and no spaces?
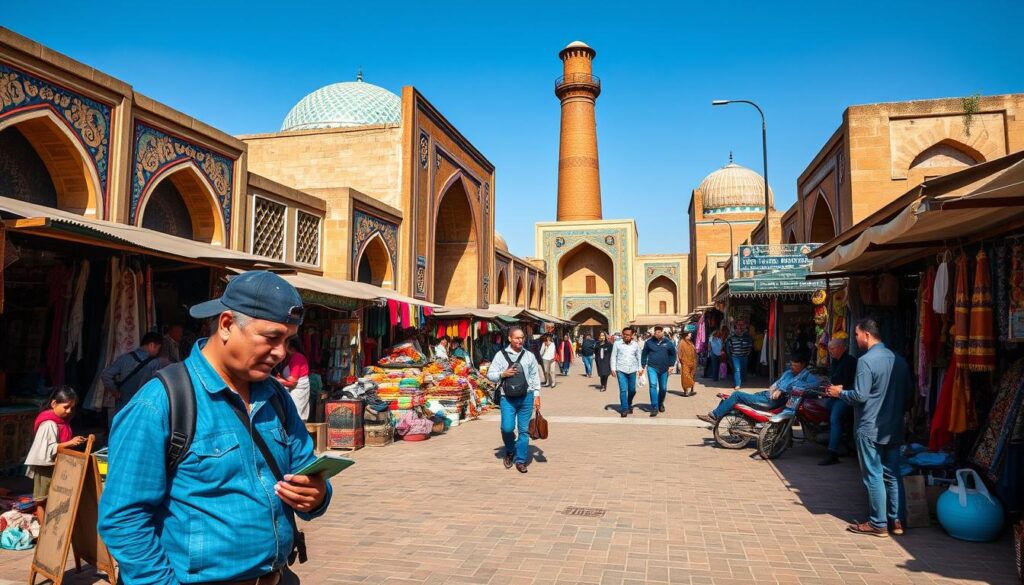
{"x":405,"y":353}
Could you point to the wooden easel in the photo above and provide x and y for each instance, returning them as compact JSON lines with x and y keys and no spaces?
{"x":72,"y":511}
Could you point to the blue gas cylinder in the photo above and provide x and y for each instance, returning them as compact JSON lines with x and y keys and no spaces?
{"x":970,"y":513}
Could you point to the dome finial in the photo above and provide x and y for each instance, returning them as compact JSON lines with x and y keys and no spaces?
{"x":359,"y":74}
{"x":730,"y":157}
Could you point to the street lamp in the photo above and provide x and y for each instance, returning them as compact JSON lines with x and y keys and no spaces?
{"x":729,"y":223}
{"x":764,"y":152}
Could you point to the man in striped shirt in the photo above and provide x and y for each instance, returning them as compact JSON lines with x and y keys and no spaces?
{"x":739,"y":345}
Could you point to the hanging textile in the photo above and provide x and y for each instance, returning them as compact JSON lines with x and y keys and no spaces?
{"x":76,"y":316}
{"x":1001,"y":292}
{"x":922,"y":336}
{"x":98,"y":398}
{"x":702,"y":334}
{"x":941,"y":288}
{"x":126,"y":314}
{"x":981,"y":345}
{"x":1017,"y":276}
{"x":929,"y":320}
{"x":993,"y":442}
{"x":961,"y":405}
{"x":58,"y":283}
{"x":940,"y":435}
{"x":3,"y":262}
{"x":393,"y":312}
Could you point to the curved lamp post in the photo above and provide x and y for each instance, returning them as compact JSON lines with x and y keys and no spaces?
{"x":764,"y":153}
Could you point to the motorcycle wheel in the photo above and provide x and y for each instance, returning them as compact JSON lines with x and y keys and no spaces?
{"x":727,"y":431}
{"x":773,"y":439}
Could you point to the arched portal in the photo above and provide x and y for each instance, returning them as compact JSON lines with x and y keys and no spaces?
{"x":586,"y":270}
{"x":375,"y":264}
{"x":501,"y":294}
{"x":42,"y":162}
{"x":947,"y":155}
{"x":520,"y":292}
{"x":791,"y":238}
{"x":590,"y":321}
{"x":534,"y":295}
{"x":456,"y":254}
{"x":662,"y":296}
{"x":187,"y":188}
{"x":823,"y":224}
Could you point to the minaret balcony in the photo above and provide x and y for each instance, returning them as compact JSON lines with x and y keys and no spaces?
{"x":578,"y":82}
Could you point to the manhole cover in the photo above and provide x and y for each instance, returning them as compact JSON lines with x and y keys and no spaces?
{"x":584,"y":512}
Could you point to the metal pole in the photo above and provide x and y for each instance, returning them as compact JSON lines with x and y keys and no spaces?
{"x":764,"y":155}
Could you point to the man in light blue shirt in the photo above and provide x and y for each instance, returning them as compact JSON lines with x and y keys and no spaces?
{"x":775,"y":396}
{"x":516,"y":410}
{"x":220,"y":515}
{"x":626,"y":359}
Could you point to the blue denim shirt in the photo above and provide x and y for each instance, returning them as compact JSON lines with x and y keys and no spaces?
{"x":788,"y":381}
{"x":879,"y":395}
{"x":217,"y":517}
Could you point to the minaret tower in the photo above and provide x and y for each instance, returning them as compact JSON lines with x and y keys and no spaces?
{"x":579,"y":177}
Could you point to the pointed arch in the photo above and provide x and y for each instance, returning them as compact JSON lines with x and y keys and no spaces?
{"x":591,"y":321}
{"x":501,"y":291}
{"x":822,"y":227}
{"x":71,"y":170}
{"x":456,"y":261}
{"x":534,"y":302}
{"x":791,"y":238}
{"x":520,"y":288}
{"x":203,"y":206}
{"x":373,"y":264}
{"x":582,"y":262}
{"x":662,"y":292}
{"x":947,"y":153}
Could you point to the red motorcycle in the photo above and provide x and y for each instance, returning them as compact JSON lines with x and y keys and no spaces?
{"x":804,"y":406}
{"x":741,"y":425}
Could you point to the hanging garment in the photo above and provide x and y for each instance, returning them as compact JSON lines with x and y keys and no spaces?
{"x":126,"y":314}
{"x":98,"y":398}
{"x":990,"y":451}
{"x":941,"y":290}
{"x":981,"y":350}
{"x":76,"y":317}
{"x":1017,"y":277}
{"x":463,"y":328}
{"x":1001,"y":292}
{"x":702,"y":335}
{"x":961,"y":407}
{"x":393,"y":312}
{"x":58,"y":282}
{"x":929,"y":320}
{"x":3,"y":262}
{"x":940,"y":436}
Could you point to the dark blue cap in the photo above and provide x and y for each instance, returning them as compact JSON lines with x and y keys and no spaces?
{"x":258,"y":294}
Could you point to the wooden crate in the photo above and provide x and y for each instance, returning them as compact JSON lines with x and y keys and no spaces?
{"x":318,"y":432}
{"x":340,"y":439}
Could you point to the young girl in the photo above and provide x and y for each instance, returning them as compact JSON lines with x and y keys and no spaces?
{"x":295,"y":377}
{"x":52,"y":431}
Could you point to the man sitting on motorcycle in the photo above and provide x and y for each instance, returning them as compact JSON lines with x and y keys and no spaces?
{"x":798,"y":376}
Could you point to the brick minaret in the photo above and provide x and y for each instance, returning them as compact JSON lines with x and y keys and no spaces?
{"x":579,"y":180}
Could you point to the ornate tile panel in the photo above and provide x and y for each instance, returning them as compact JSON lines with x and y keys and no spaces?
{"x":367,"y":226}
{"x":557,"y":243}
{"x":653,"y":270}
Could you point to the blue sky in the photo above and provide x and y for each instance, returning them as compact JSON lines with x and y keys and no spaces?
{"x":490,"y":68}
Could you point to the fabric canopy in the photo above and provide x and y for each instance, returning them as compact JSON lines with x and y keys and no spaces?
{"x":943,"y":214}
{"x":348,"y":289}
{"x":42,"y":220}
{"x":655,"y":320}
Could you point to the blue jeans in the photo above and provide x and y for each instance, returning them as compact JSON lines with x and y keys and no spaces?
{"x":761,"y":399}
{"x":659,"y":385}
{"x":565,"y":368}
{"x":713,"y":361}
{"x":588,"y":364}
{"x":627,"y":389}
{"x":838,"y":410}
{"x":739,"y":369}
{"x":880,"y":470}
{"x":515,"y":415}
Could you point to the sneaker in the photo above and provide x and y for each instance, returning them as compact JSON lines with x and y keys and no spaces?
{"x":661,"y":408}
{"x":830,"y":459}
{"x":654,"y":413}
{"x":897,"y":527}
{"x":708,"y":418}
{"x":624,"y":413}
{"x":521,"y":467}
{"x":868,"y":529}
{"x":509,"y":460}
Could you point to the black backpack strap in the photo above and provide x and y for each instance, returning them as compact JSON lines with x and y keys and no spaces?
{"x":181,"y":406}
{"x":131,"y":374}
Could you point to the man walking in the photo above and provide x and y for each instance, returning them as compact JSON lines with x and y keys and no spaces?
{"x":130,"y":371}
{"x":657,"y":358}
{"x":879,"y":394}
{"x":626,"y":357}
{"x":519,"y":374}
{"x":842,"y":372}
{"x":739,"y":345}
{"x":224,"y":513}
{"x":587,"y":349}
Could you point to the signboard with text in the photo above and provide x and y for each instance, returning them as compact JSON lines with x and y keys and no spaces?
{"x":761,"y":258}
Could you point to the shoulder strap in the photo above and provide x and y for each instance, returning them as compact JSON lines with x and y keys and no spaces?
{"x":181,"y":404}
{"x":141,"y":364}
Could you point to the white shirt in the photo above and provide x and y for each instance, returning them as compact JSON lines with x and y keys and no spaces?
{"x":529,"y":364}
{"x":441,"y":352}
{"x":626,"y":357}
{"x":547,"y":351}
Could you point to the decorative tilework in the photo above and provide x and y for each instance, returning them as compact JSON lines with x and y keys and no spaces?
{"x":557,"y":243}
{"x":424,"y":149}
{"x":345,"y":104}
{"x":421,"y":277}
{"x":600,"y":303}
{"x":88,"y":119}
{"x":366,"y":227}
{"x":653,"y":270}
{"x":156,"y":151}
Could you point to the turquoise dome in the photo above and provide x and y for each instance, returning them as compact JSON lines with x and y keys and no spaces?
{"x":343,"y":105}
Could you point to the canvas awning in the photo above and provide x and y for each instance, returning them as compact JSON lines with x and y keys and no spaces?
{"x":469,"y":312}
{"x":30,"y":218}
{"x":656,"y":320}
{"x":983,"y":201}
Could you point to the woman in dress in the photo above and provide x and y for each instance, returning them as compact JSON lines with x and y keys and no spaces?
{"x":603,"y":358}
{"x":686,"y":353}
{"x":295,"y":377}
{"x":547,"y":357}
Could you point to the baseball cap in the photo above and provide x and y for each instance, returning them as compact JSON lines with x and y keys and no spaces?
{"x":259,"y":294}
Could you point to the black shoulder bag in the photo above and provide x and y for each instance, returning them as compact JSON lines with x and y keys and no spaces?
{"x":515,"y":386}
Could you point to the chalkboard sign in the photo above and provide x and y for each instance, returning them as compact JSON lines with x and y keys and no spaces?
{"x":70,"y":519}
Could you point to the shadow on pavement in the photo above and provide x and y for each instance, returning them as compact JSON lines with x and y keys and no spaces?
{"x":533,"y":455}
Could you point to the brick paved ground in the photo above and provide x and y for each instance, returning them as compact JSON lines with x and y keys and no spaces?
{"x":678,"y":510}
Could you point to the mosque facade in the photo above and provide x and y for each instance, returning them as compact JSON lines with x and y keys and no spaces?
{"x":597,"y":276}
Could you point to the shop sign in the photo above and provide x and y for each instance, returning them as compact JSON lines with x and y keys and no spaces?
{"x":775,"y":285}
{"x":760,"y":258}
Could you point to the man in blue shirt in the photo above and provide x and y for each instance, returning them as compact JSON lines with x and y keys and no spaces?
{"x":798,"y":376}
{"x":221,"y":515}
{"x":516,"y":410}
{"x":658,"y":357}
{"x":880,"y":391}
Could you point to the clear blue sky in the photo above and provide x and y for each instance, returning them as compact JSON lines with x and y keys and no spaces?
{"x":490,"y":68}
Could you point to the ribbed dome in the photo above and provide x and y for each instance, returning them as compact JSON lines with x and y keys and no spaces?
{"x":342,"y":105}
{"x":734,"y":188}
{"x":500,"y":243}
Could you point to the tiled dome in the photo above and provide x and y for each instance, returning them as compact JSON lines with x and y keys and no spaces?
{"x":734,"y":188}
{"x":342,"y":105}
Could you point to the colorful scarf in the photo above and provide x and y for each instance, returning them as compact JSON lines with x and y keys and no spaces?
{"x":63,"y":428}
{"x":960,"y":406}
{"x":981,"y":352}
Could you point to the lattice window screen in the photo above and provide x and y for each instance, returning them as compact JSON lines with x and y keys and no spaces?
{"x":307,"y":239}
{"x":268,"y":229}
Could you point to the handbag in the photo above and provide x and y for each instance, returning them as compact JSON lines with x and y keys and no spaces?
{"x":538,"y":426}
{"x":723,"y":371}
